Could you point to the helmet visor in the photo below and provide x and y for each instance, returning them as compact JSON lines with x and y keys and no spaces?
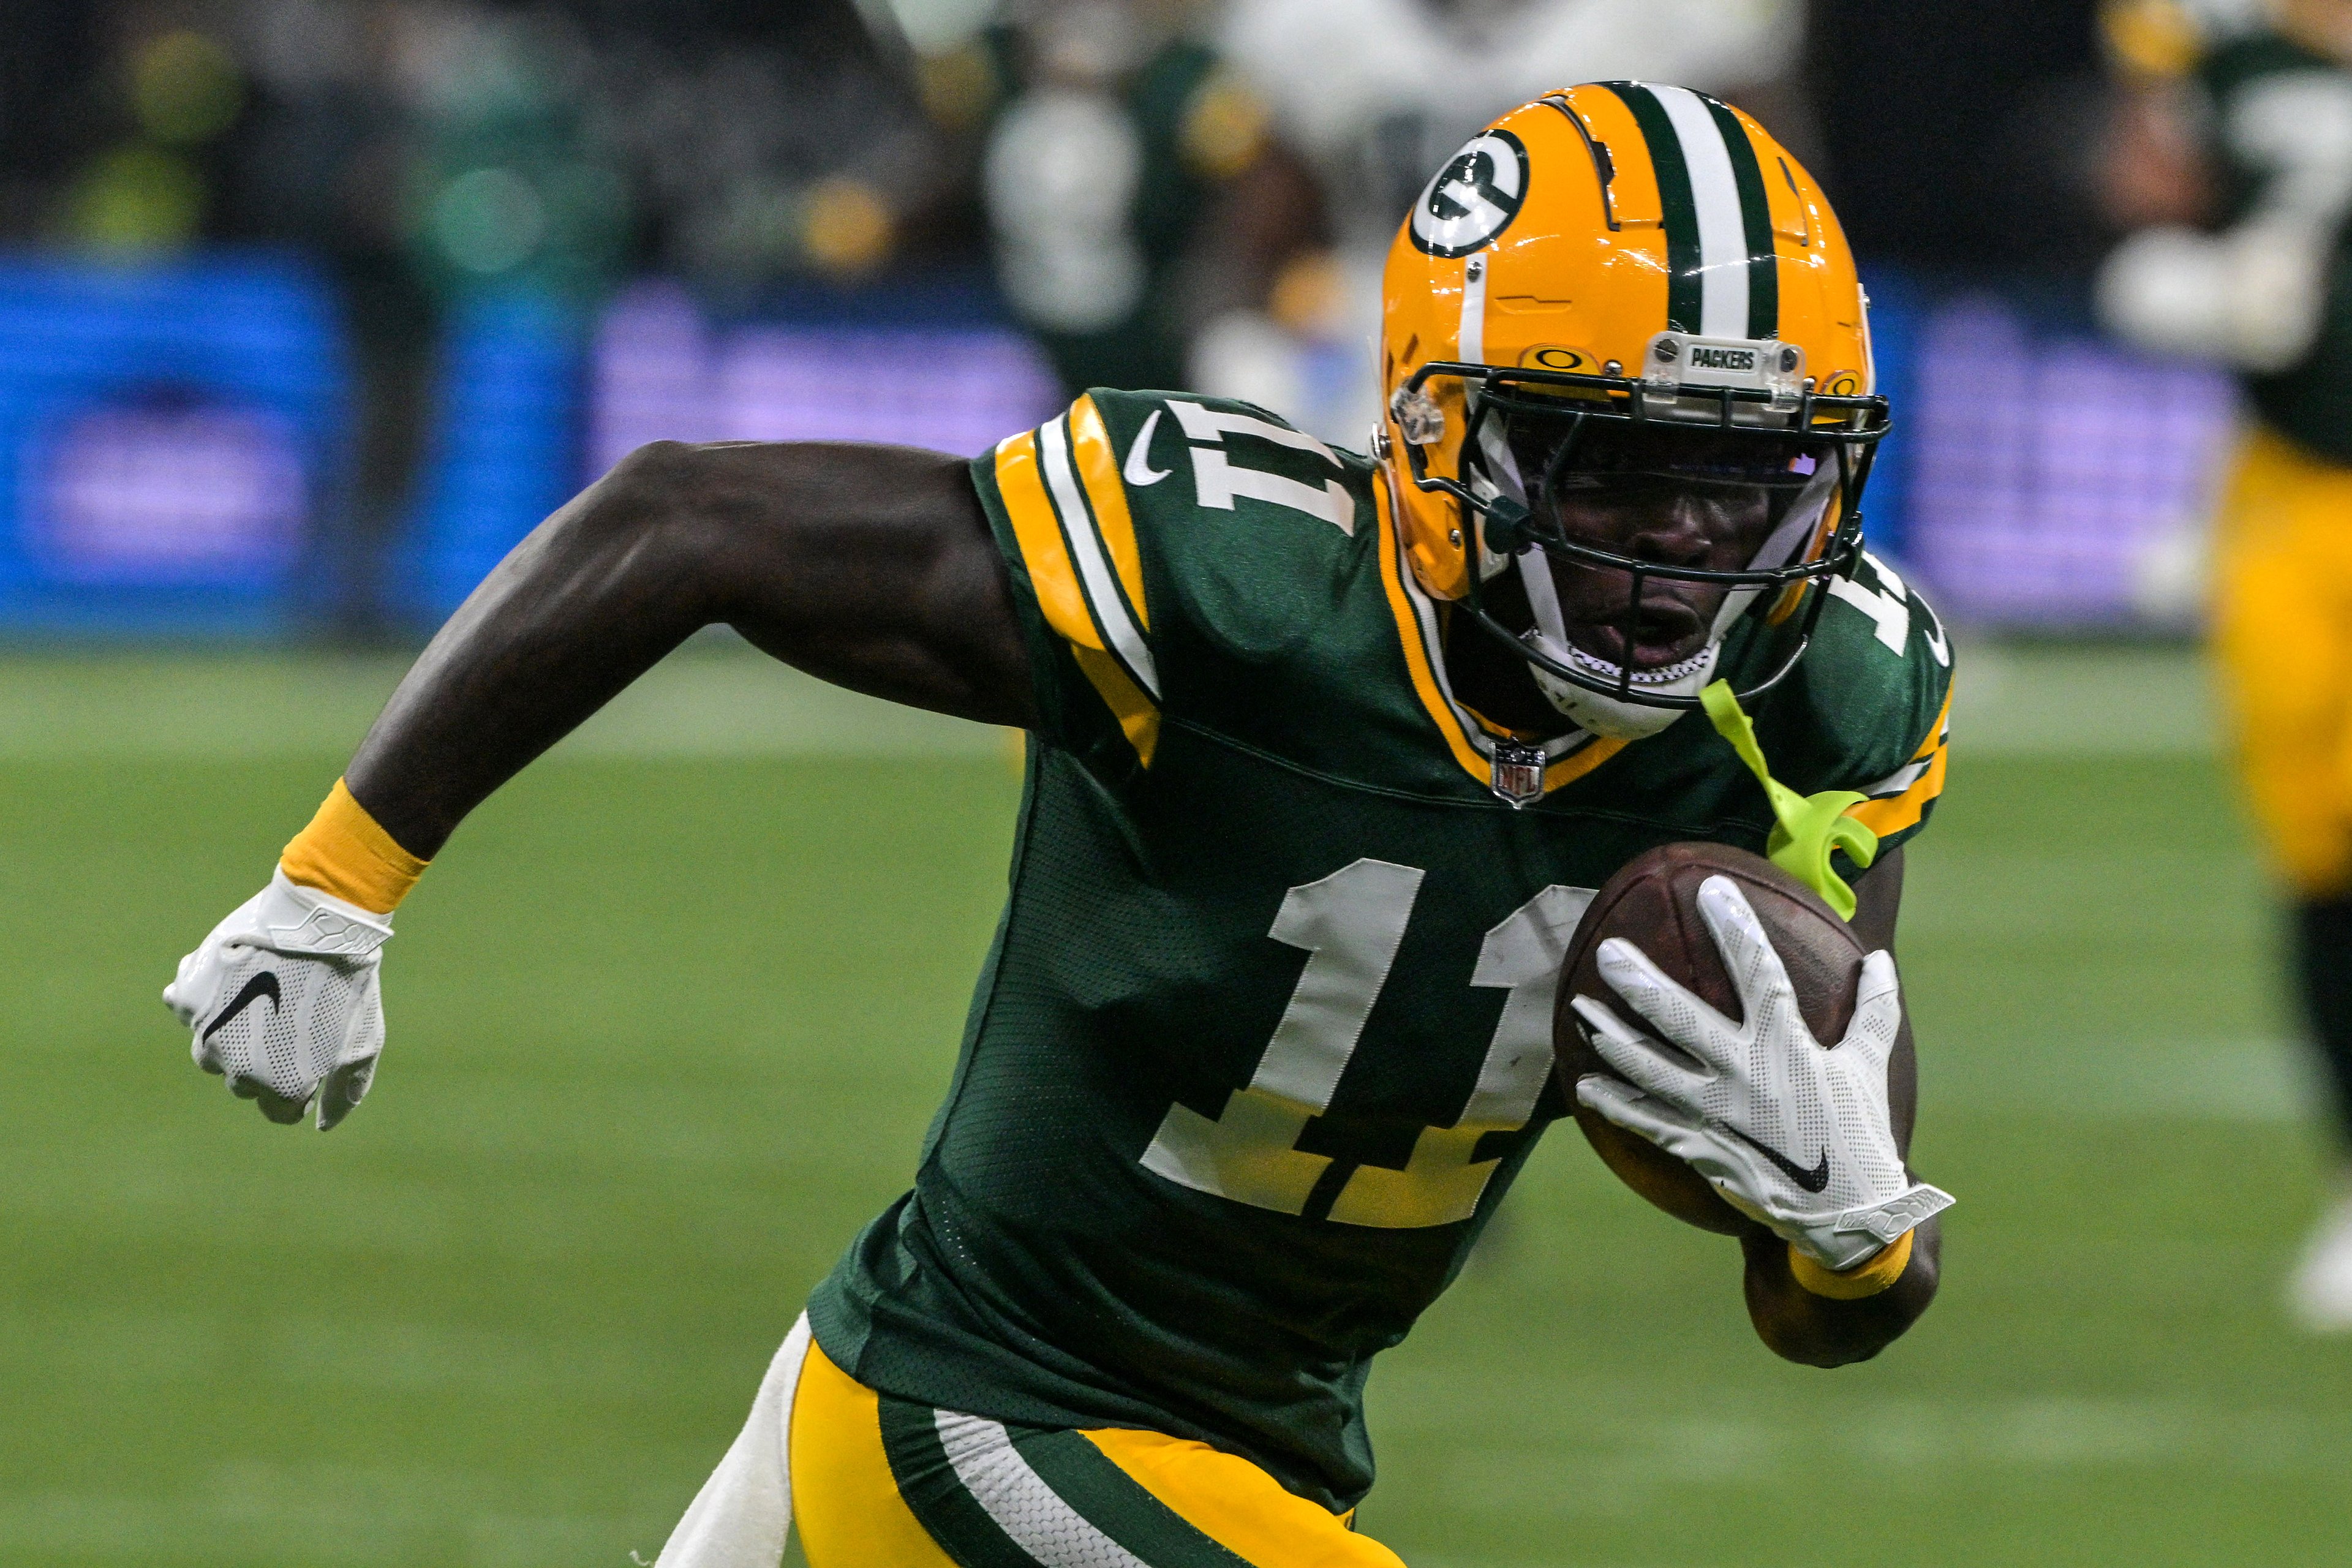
{"x":1705,"y":502}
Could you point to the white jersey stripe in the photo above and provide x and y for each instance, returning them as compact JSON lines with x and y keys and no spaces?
{"x":1722,"y":227}
{"x":1898,"y":780}
{"x":1017,"y":1497}
{"x":1118,"y":627}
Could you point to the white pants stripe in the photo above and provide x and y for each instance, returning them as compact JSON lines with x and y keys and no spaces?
{"x":739,"y":1518}
{"x":1018,"y":1499}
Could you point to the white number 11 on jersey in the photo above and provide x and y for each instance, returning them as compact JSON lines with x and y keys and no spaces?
{"x":1352,"y":924}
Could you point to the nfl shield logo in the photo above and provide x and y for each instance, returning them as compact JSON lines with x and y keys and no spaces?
{"x":1518,"y":773}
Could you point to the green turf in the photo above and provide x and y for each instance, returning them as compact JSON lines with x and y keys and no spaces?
{"x":665,"y":1031}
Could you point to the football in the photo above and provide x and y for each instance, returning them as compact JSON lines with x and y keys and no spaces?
{"x":1653,"y":903}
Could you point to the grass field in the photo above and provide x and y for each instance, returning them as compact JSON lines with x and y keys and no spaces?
{"x":669,"y":1017}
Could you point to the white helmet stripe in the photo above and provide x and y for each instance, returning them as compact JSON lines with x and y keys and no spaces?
{"x":1470,"y":345}
{"x":1722,"y":224}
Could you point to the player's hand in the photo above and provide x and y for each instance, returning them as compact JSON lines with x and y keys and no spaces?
{"x":1797,"y":1135}
{"x":282,"y":999}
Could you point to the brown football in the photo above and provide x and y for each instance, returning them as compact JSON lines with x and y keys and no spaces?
{"x":1653,"y":903}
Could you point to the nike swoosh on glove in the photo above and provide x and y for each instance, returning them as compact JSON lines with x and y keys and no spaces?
{"x":284,"y":1002}
{"x":1797,"y":1135}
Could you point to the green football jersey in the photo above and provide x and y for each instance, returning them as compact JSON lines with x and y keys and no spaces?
{"x":1265,"y":1031}
{"x":2279,"y":114}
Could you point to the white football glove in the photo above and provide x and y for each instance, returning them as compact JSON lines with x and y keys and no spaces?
{"x":283,"y":1000}
{"x":1797,"y":1136}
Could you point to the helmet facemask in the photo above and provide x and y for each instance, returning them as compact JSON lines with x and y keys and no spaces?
{"x":1682,"y":519}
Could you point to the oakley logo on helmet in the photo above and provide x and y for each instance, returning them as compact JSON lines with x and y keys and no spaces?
{"x":1549,"y":358}
{"x":1474,"y":197}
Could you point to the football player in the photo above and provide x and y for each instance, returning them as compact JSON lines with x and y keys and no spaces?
{"x":1092,"y":251}
{"x":1326,"y":754}
{"x":2236,"y":158}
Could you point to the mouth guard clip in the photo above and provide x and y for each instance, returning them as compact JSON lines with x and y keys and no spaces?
{"x":1807,"y":828}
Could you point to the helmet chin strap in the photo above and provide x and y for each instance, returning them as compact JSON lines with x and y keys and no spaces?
{"x":1614,"y":718}
{"x":1498,"y":474}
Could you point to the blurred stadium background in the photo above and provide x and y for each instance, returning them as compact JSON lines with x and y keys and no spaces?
{"x":309,"y":308}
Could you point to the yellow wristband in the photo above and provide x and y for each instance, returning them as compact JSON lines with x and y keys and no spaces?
{"x":1855,"y":1283}
{"x":346,"y":852}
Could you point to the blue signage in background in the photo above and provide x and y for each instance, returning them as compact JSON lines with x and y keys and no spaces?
{"x":172,"y":437}
{"x":165,"y":434}
{"x":505,"y":450}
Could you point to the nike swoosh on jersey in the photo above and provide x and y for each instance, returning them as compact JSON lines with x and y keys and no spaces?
{"x":1813,"y":1180}
{"x":262,"y":985}
{"x":1938,"y":643}
{"x":1139,"y":472}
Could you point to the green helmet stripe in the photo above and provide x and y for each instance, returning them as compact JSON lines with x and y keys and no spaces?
{"x":1756,"y":217}
{"x":1685,"y":285}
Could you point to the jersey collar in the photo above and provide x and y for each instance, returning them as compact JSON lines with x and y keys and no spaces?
{"x":1470,"y":740}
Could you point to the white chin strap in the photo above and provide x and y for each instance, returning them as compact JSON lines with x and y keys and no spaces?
{"x":1613,"y":718}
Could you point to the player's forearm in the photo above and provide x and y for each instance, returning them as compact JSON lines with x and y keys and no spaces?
{"x":1820,"y":1331}
{"x":595,"y":596}
{"x":1817,"y":1330}
{"x":1806,"y":1326}
{"x":869,"y":566}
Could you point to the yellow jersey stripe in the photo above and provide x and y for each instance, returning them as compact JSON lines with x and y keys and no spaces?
{"x":1021,"y":481}
{"x":1136,"y":714}
{"x":1122,"y":635}
{"x":1055,"y":579}
{"x":1238,"y":1505}
{"x":1416,"y":656}
{"x":1895,"y":813}
{"x":1097,"y":466}
{"x":1578,"y":763}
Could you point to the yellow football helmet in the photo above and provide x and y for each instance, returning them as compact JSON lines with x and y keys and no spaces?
{"x":1603,"y":279}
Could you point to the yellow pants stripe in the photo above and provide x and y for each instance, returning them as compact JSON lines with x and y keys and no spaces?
{"x":1237,"y":1505}
{"x":846,"y":1505}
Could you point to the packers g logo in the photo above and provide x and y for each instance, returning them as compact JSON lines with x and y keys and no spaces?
{"x":1473,"y":197}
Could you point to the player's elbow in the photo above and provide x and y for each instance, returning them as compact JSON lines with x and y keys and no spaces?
{"x":711,"y":498}
{"x":1814,"y":1332}
{"x":662,"y":513}
{"x":656,"y":480}
{"x":1814,"y":1344}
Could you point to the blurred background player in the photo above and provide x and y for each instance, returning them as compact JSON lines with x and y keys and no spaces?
{"x":1373,"y":93}
{"x":2233,"y":156}
{"x":1111,"y":134}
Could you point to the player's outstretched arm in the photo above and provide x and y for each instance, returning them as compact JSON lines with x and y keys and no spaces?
{"x":870,"y":566}
{"x":1825,"y":1331}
